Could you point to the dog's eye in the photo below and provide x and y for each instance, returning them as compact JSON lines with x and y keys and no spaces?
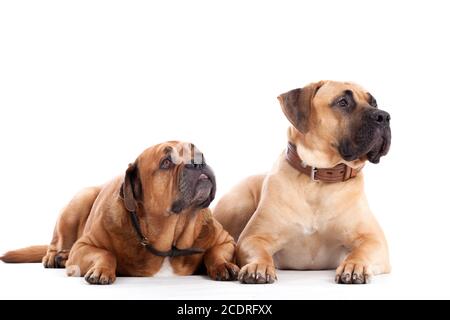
{"x":166,"y":164}
{"x":342,"y":103}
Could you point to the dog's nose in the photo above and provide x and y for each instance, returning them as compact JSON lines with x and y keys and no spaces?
{"x":381,"y":117}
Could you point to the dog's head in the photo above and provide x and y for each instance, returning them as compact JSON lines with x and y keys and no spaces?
{"x":169,"y":177}
{"x":339,"y":118}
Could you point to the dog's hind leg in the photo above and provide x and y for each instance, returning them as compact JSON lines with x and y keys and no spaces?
{"x":69,"y":227}
{"x":236,"y":207}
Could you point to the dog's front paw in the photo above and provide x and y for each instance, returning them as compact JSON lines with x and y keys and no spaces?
{"x":100,"y":275}
{"x":353,"y":273}
{"x":225,"y":271}
{"x":257,"y":273}
{"x":54,"y":259}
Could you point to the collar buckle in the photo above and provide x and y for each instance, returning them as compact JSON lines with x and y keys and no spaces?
{"x":313,"y":174}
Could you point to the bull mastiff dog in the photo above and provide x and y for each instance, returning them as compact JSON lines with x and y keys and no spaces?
{"x":310,"y":211}
{"x":153,"y":219}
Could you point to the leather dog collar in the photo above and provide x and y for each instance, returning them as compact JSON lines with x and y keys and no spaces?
{"x":339,"y":173}
{"x":174,"y":252}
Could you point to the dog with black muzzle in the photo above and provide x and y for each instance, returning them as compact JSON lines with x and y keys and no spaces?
{"x":310,"y":212}
{"x":153,"y":220}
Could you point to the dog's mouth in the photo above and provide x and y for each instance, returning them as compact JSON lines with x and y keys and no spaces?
{"x":380,"y":149}
{"x":371,"y":147}
{"x":197,"y":188}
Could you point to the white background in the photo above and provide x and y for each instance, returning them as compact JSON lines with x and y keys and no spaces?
{"x":85,"y":86}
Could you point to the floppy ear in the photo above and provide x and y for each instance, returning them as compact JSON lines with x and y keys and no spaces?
{"x":296,"y":105}
{"x":131,"y":189}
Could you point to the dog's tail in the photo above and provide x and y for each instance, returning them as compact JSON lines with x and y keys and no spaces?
{"x":25,"y":255}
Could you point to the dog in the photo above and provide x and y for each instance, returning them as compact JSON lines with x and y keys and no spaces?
{"x":310,"y":211}
{"x":154,"y":219}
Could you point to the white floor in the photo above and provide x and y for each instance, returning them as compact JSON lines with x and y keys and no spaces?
{"x":32,"y":281}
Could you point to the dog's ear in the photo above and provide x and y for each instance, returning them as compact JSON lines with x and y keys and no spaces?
{"x":296,"y":105}
{"x":131,"y":189}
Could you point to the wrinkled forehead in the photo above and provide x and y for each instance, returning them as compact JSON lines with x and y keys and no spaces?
{"x":332,"y":89}
{"x":184,"y":152}
{"x":178,"y":152}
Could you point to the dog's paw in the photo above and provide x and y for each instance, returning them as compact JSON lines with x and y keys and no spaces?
{"x":100,"y":275}
{"x":54,"y":259}
{"x":257,"y":273}
{"x":226,"y":271}
{"x":353,"y":273}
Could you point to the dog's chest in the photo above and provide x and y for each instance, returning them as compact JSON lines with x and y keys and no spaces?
{"x":166,"y":269}
{"x":310,"y":246}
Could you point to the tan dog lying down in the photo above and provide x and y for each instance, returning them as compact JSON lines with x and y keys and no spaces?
{"x":310,"y":212}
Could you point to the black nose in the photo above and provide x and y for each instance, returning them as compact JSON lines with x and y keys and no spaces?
{"x":381,"y":117}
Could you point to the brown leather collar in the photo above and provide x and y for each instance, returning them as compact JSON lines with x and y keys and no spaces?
{"x":339,"y":173}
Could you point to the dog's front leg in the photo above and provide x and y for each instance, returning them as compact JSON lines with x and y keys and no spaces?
{"x":98,"y":266}
{"x":254,"y":254}
{"x":368,"y":257}
{"x":219,"y":258}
